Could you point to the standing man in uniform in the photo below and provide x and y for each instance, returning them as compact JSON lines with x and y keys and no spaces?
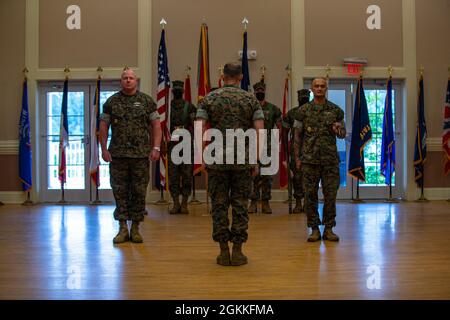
{"x":288,"y":124}
{"x":182,"y":114}
{"x":317,"y":125}
{"x":272,"y":119}
{"x":132,"y":116}
{"x":225,"y":108}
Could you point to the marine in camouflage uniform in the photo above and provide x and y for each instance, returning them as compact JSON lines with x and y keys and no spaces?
{"x":130,"y":117}
{"x":182,"y":114}
{"x":230,"y":107}
{"x":288,"y":124}
{"x":262,"y":184}
{"x":317,"y":125}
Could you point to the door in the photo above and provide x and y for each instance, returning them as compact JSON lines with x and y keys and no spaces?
{"x":342,"y":93}
{"x":78,"y":186}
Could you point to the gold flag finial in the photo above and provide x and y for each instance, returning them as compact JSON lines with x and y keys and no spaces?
{"x":25,"y":72}
{"x":99,"y":72}
{"x":390,"y":70}
{"x":187,"y":70}
{"x":327,"y":71}
{"x":263,"y":70}
{"x":67,"y":72}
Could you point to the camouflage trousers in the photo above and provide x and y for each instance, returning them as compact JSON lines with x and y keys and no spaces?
{"x":328,"y":175}
{"x":229,"y":187}
{"x":129,"y":181}
{"x":261,"y":188}
{"x":180,"y":179}
{"x":297,"y":183}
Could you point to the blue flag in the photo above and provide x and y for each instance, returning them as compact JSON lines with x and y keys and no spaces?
{"x":361,"y":135}
{"x":387,"y":165}
{"x":245,"y":83}
{"x":420,"y":148}
{"x":25,"y":142}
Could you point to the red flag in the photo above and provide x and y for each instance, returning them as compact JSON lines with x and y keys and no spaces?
{"x":203,"y":79}
{"x":446,"y":133}
{"x":187,"y":89}
{"x":283,"y":159}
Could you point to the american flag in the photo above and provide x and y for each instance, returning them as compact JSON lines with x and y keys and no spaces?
{"x":163,"y":101}
{"x":63,"y":135}
{"x":94,"y":162}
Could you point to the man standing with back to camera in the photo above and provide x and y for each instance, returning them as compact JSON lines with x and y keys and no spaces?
{"x":230,"y":107}
{"x":131,"y":114}
{"x":317,"y":125}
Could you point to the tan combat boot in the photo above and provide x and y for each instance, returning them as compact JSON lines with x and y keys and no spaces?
{"x":176,"y":206}
{"x":237,"y":257}
{"x":184,"y":205}
{"x":134,"y":233}
{"x":298,"y":206}
{"x":253,"y":208}
{"x":123,"y":235}
{"x":265,"y":208}
{"x":315,"y":235}
{"x":329,"y":235}
{"x":224,"y":256}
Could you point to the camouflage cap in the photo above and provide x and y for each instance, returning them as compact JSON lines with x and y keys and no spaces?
{"x":177,"y":85}
{"x":303,"y":93}
{"x":259,"y":86}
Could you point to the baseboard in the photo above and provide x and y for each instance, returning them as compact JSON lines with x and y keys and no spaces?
{"x":436,"y":193}
{"x":12,"y":197}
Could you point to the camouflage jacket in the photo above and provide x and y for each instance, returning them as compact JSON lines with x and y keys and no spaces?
{"x":230,"y":107}
{"x":318,"y":140}
{"x":182,"y":115}
{"x":130,"y":119}
{"x":288,"y":123}
{"x":272,"y":115}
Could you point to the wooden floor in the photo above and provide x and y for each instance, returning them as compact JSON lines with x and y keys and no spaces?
{"x":55,"y":252}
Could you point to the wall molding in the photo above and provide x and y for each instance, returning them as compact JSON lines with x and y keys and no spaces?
{"x":9,"y":147}
{"x":434,"y":144}
{"x":12,"y":197}
{"x":435,"y":193}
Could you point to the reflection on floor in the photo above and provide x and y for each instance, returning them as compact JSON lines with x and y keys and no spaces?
{"x":387,"y":251}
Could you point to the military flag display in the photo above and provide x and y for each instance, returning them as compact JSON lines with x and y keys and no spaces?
{"x":446,"y":133}
{"x":387,"y":163}
{"x":361,"y":134}
{"x":420,"y":147}
{"x":25,"y":155}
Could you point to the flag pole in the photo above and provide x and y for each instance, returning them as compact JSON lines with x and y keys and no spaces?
{"x":193,"y":200}
{"x":390,"y":199}
{"x":63,"y":200}
{"x":28,"y":201}
{"x":357,"y":199}
{"x":422,"y":195}
{"x":97,"y":200}
{"x":448,"y":200}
